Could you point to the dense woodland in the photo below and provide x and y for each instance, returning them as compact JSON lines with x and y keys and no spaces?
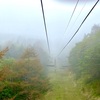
{"x":84,"y":61}
{"x":22,"y":76}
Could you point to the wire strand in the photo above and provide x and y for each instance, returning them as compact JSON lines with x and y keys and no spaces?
{"x":79,"y":27}
{"x":45,"y":26}
{"x":71,"y":15}
{"x":79,"y":14}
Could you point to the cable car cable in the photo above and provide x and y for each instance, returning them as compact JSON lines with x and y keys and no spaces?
{"x":71,"y":15}
{"x":45,"y":26}
{"x":79,"y":26}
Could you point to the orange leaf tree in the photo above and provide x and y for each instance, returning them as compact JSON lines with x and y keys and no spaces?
{"x":26,"y":80}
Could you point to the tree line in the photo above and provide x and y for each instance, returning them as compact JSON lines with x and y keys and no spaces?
{"x":84,"y":61}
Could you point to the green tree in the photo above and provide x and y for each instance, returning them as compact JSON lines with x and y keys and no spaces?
{"x":84,"y":60}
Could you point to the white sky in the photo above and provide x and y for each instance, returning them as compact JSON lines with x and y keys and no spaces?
{"x":24,"y":18}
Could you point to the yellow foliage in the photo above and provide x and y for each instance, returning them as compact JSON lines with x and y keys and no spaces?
{"x":2,"y":53}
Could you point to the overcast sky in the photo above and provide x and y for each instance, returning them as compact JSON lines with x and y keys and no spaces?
{"x":23,"y":18}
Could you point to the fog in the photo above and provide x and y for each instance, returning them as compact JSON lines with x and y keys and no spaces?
{"x":70,"y":71}
{"x":21,"y":20}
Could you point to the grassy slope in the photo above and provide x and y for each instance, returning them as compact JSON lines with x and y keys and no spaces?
{"x":64,"y":88}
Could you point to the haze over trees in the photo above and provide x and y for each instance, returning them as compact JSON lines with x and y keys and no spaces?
{"x":23,"y":78}
{"x":23,"y":71}
{"x":84,"y":61}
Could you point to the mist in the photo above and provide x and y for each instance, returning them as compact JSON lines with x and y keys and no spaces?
{"x":29,"y":71}
{"x":23,"y":19}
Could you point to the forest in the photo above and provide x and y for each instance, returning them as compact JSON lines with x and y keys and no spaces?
{"x":84,"y":61}
{"x":24,"y":74}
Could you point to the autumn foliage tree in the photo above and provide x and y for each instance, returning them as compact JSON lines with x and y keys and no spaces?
{"x":2,"y":53}
{"x":25,"y":80}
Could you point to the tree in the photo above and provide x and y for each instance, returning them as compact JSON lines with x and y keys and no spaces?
{"x":25,"y":80}
{"x":2,"y":53}
{"x":85,"y":60}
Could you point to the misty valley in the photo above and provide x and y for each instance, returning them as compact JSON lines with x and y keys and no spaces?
{"x":49,"y":49}
{"x":28,"y":72}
